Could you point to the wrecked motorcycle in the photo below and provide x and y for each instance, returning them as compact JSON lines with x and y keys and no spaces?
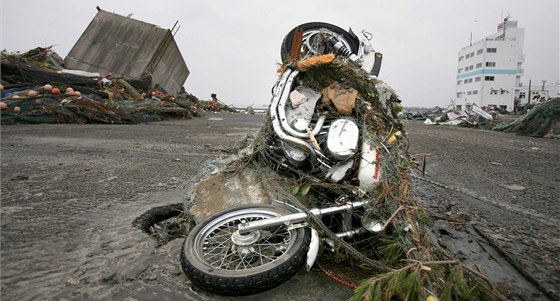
{"x":316,"y":135}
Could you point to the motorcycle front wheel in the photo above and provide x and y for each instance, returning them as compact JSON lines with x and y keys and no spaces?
{"x":219,"y":259}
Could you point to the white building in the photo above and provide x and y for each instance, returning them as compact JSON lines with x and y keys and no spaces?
{"x":489,"y":71}
{"x":539,"y":90}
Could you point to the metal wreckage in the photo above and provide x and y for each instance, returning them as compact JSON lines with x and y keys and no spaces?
{"x":325,"y":182}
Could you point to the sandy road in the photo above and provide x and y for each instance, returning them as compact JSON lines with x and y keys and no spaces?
{"x":508,"y":186}
{"x":70,"y":193}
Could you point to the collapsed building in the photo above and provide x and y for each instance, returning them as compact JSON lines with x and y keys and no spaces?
{"x":125,"y":47}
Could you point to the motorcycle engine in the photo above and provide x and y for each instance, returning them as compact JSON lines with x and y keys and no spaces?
{"x":342,"y":139}
{"x":338,"y":138}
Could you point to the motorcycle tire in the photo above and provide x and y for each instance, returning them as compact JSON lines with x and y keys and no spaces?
{"x":349,"y":39}
{"x":213,"y":262}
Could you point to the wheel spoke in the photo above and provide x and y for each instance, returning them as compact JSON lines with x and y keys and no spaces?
{"x":212,"y":246}
{"x":241,"y":262}
{"x":230,"y":264}
{"x":263,"y":255}
{"x":220,"y":254}
{"x":220,"y":260}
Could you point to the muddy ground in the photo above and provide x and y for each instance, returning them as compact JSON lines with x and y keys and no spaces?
{"x":71,"y":192}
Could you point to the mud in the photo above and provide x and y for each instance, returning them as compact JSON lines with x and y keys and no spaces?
{"x":70,"y":194}
{"x":469,"y":179}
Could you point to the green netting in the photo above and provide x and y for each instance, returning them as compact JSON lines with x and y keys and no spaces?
{"x":540,"y":121}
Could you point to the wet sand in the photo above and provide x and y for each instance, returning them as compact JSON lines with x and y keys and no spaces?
{"x":71,"y":192}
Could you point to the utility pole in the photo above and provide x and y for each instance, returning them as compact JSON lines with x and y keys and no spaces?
{"x":543,"y":82}
{"x":529,"y":94}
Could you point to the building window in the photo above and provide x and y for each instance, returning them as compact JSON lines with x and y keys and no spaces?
{"x":477,"y":79}
{"x":479,"y":51}
{"x":460,"y":70}
{"x":491,"y":50}
{"x":478,"y":65}
{"x":458,"y":82}
{"x":503,"y":107}
{"x":475,"y":92}
{"x":468,"y":107}
{"x":472,"y":54}
{"x":521,"y":95}
{"x":490,"y":64}
{"x":458,"y":107}
{"x":470,"y":80}
{"x":461,"y":58}
{"x":459,"y":94}
{"x":469,"y":93}
{"x":489,"y":78}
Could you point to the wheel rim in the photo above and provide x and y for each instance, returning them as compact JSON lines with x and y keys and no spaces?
{"x":312,"y":44}
{"x":221,"y":246}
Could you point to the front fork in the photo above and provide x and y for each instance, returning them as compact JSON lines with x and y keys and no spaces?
{"x":296,"y":219}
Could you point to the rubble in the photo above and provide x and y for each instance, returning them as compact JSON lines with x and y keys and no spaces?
{"x":476,"y":117}
{"x":542,"y":120}
{"x":33,"y":85}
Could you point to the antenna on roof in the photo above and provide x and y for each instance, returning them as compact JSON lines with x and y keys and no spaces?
{"x":174,"y":28}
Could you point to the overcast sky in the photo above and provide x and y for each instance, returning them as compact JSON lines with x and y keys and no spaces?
{"x":232,"y":47}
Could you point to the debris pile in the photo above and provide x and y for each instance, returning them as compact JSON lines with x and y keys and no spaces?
{"x":476,"y":117}
{"x":214,"y":106}
{"x":542,"y":120}
{"x":402,"y":262}
{"x":37,"y":89}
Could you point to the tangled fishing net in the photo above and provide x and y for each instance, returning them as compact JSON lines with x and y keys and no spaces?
{"x":115,"y":101}
{"x":401,"y":261}
{"x":541,"y":121}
